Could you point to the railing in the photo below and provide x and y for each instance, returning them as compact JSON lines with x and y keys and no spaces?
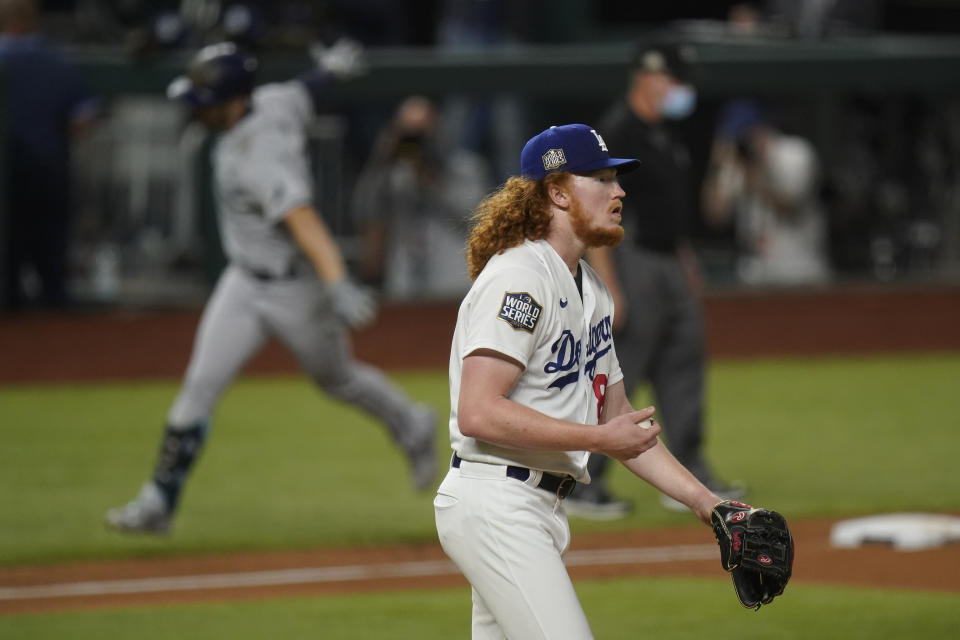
{"x":156,"y":220}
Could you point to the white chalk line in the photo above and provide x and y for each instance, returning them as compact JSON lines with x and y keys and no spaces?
{"x":320,"y":575}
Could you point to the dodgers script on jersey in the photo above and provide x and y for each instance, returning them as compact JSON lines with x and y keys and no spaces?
{"x":261,"y":175}
{"x":525,"y":305}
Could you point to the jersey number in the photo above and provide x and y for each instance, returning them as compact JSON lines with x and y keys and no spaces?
{"x":600,"y":391}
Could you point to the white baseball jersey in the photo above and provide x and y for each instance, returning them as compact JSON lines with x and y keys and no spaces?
{"x":525,"y":304}
{"x":262,"y":173}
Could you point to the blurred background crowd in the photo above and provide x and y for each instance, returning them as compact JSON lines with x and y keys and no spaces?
{"x":823,"y":141}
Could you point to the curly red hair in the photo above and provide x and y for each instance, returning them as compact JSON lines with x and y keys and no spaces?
{"x":517,"y":211}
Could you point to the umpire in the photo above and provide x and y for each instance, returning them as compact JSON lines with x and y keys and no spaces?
{"x":658,"y":321}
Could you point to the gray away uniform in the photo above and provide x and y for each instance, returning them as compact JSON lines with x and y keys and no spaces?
{"x":270,"y":289}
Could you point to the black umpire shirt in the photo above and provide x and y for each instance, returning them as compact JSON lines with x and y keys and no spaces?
{"x":658,"y":191}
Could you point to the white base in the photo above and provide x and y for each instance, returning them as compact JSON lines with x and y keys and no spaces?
{"x":904,"y":531}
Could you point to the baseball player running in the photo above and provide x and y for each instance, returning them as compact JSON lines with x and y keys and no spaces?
{"x":535,"y":387}
{"x":285,"y":277}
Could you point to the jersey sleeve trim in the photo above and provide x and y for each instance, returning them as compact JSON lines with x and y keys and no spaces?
{"x":513,"y":354}
{"x":615,"y":376}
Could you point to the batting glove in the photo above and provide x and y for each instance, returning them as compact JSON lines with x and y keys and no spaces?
{"x":345,"y":58}
{"x":353,"y":304}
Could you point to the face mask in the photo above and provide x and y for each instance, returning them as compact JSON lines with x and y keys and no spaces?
{"x":679,"y":102}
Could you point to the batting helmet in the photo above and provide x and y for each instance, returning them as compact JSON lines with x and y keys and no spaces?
{"x":216,"y":73}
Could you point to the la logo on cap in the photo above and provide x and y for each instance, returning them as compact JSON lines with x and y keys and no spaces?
{"x":553,"y":159}
{"x":603,"y":145}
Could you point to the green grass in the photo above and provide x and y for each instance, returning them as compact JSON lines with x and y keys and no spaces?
{"x":828,"y":436}
{"x":285,"y":467}
{"x":288,"y":468}
{"x":675,"y":608}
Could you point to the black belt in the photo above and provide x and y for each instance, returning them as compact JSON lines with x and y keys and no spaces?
{"x":266,"y":276}
{"x":560,"y":485}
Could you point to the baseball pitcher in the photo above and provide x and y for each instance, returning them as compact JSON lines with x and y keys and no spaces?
{"x":536,"y":387}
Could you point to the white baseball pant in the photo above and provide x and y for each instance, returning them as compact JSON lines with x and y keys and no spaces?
{"x":508,"y":538}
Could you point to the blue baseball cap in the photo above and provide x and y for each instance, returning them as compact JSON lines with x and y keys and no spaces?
{"x":570,"y":147}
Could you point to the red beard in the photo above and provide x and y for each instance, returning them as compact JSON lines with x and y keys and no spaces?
{"x":592,"y":236}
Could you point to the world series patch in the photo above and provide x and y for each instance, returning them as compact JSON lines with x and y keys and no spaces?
{"x":553,"y":159}
{"x":520,"y":311}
